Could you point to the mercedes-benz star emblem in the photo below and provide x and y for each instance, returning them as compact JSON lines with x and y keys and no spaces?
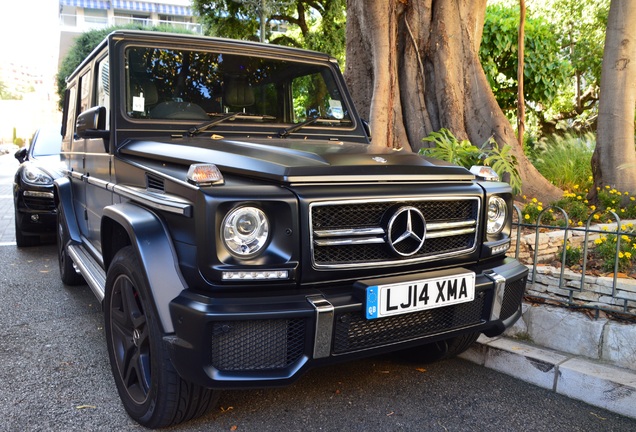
{"x":406,"y":231}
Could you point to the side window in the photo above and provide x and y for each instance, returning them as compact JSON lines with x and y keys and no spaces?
{"x":103,"y":88}
{"x":313,"y":96}
{"x":85,"y":92}
{"x":70,"y":114}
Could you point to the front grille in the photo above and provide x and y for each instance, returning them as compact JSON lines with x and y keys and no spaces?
{"x":354,"y":332}
{"x":257,"y":345}
{"x":43,"y":203}
{"x":512,"y":298}
{"x":346,"y":234}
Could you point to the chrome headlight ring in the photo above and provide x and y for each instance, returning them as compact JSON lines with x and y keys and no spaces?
{"x":497,"y":215}
{"x":245,"y":231}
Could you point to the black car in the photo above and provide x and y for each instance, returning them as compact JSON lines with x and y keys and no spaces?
{"x":223,"y":202}
{"x":33,"y":191}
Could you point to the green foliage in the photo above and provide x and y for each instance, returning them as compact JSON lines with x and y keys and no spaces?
{"x":86,"y":42}
{"x":463,"y":153}
{"x":7,"y":94}
{"x":565,"y":161}
{"x":545,"y":72}
{"x":316,"y":25}
{"x":573,"y":254}
{"x":450,"y":149}
{"x":607,"y":249}
{"x":564,"y":42}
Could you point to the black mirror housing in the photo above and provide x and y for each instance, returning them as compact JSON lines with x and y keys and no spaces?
{"x":92,"y":123}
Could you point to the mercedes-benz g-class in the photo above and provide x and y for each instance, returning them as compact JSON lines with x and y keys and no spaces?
{"x":224,"y":202}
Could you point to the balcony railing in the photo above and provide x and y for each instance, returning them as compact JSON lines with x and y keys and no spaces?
{"x":73,"y":23}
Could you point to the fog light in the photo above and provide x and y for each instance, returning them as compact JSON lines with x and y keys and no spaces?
{"x":35,"y":218}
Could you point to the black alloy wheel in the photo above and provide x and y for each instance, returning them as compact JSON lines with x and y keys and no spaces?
{"x":151,"y":391}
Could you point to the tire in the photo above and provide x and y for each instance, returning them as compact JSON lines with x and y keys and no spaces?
{"x":440,"y":350}
{"x":67,"y":271}
{"x":21,"y":239}
{"x":150,"y":389}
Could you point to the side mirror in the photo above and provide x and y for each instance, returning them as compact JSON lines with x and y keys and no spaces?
{"x":21,"y":154}
{"x":367,"y":128}
{"x":92,"y":123}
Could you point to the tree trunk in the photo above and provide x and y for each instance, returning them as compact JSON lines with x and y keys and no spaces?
{"x":413,"y":68}
{"x":614,"y":159}
{"x":521,"y":107}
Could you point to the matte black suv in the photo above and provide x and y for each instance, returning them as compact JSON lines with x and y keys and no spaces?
{"x":224,"y":203}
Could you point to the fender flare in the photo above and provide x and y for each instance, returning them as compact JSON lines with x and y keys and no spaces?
{"x":151,"y":240}
{"x":64,"y":202}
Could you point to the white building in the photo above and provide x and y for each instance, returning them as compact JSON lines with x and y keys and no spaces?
{"x":78,"y":16}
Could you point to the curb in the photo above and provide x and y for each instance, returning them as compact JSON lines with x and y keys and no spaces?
{"x":598,"y":384}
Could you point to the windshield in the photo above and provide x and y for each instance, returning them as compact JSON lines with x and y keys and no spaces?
{"x":181,"y":84}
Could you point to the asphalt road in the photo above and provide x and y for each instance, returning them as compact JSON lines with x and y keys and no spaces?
{"x":55,"y":376}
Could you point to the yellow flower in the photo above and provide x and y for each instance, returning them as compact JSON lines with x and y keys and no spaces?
{"x":621,"y":255}
{"x":590,"y":178}
{"x":540,"y":208}
{"x":598,"y":241}
{"x":607,"y":187}
{"x":534,"y":200}
{"x":597,"y":216}
{"x":580,"y":223}
{"x":579,"y":197}
{"x":576,"y":187}
{"x":628,"y":255}
{"x":625,"y":238}
{"x":527,"y":216}
{"x":585,"y":202}
{"x":524,"y":197}
{"x":592,"y":207}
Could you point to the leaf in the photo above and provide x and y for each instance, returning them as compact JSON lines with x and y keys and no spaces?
{"x":420,"y":370}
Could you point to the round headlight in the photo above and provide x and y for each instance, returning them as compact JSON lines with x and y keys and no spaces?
{"x":35,"y":176}
{"x":497,"y":214}
{"x":245,"y":231}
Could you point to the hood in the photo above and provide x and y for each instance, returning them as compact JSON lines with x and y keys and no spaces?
{"x":299,"y":161}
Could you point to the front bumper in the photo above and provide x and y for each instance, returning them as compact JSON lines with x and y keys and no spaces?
{"x":243,"y":342}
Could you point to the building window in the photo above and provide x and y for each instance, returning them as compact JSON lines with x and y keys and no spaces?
{"x":96,"y":16}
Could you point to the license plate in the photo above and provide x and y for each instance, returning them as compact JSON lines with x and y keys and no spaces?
{"x":406,"y":297}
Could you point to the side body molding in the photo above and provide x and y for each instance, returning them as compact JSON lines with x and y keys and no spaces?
{"x":151,"y":240}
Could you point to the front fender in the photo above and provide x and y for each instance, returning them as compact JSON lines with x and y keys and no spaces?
{"x":151,"y":240}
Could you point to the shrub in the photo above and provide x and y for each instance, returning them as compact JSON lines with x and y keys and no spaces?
{"x":565,"y":161}
{"x":464,"y":153}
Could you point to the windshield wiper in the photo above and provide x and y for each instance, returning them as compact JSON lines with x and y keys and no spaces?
{"x":288,"y":131}
{"x":207,"y":125}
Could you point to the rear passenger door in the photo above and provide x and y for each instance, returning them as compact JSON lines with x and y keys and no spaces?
{"x":97,"y":158}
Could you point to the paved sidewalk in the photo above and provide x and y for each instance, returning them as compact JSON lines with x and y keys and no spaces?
{"x":7,"y":226}
{"x":600,"y":384}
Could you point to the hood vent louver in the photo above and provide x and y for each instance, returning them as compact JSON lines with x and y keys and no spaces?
{"x":154,"y":184}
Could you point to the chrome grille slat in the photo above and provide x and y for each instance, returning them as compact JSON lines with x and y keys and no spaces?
{"x":353,"y":233}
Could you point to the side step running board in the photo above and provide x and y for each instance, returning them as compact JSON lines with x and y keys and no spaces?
{"x":94,"y":275}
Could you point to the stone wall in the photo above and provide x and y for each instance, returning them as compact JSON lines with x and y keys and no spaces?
{"x":576,"y":333}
